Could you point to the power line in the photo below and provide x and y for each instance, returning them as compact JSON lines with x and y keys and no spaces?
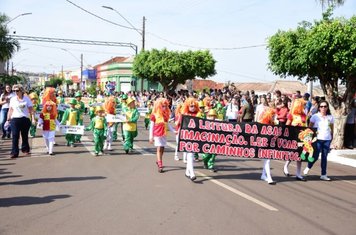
{"x":166,"y":40}
{"x":109,"y":21}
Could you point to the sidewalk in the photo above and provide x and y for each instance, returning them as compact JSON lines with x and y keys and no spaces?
{"x":344,"y":156}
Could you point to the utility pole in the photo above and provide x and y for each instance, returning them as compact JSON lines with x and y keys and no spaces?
{"x":81,"y":72}
{"x":143,"y":33}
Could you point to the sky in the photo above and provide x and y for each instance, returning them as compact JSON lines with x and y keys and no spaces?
{"x":235,"y":31}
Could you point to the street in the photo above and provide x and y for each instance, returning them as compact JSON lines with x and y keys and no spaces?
{"x":74,"y":192}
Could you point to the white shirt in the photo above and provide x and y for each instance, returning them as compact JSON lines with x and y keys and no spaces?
{"x":9,"y":96}
{"x":323,"y":125}
{"x":232,"y":111}
{"x":20,"y":108}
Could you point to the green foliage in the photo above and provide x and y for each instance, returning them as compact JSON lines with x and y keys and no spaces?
{"x":324,"y":50}
{"x":8,"y":45}
{"x":92,"y":89}
{"x":68,"y":82}
{"x":171,"y":68}
{"x":54,"y":82}
{"x":11,"y":80}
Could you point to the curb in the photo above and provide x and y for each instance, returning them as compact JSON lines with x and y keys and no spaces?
{"x":344,"y":157}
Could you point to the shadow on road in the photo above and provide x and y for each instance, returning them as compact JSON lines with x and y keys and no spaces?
{"x":52,"y":180}
{"x":24,"y":201}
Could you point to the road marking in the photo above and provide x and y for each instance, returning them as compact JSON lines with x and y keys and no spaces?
{"x":239,"y":193}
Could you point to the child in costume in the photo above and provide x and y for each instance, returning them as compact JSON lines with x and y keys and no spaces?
{"x":123,"y":108}
{"x":296,"y":117}
{"x":81,"y":109}
{"x":110,"y":109}
{"x":60,"y":100}
{"x":48,"y":121}
{"x":177,"y":118}
{"x":71,"y":118}
{"x":130,"y":125}
{"x":267,"y":117}
{"x":208,"y":158}
{"x":158,"y":128}
{"x":99,"y":127}
{"x":191,"y":108}
{"x":148,"y":114}
{"x":36,"y":108}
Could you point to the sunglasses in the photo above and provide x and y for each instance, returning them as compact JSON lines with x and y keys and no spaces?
{"x":16,"y":90}
{"x":323,"y":106}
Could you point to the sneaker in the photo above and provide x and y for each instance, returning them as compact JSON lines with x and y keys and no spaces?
{"x":306,"y":171}
{"x":325,"y":178}
{"x":176,"y":158}
{"x":213,"y":169}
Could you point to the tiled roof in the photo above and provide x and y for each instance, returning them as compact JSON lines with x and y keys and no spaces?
{"x":199,"y":84}
{"x":285,"y":86}
{"x":117,"y":59}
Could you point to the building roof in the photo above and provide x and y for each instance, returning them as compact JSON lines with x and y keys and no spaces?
{"x":118,"y":59}
{"x":285,"y":86}
{"x":200,"y":84}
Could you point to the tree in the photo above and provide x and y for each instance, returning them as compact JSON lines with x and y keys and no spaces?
{"x":171,"y":68}
{"x":8,"y":45}
{"x":324,"y":50}
{"x":11,"y":80}
{"x":330,"y":3}
{"x":54,"y":82}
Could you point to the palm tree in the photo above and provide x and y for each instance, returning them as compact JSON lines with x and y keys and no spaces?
{"x":329,"y":3}
{"x":8,"y":45}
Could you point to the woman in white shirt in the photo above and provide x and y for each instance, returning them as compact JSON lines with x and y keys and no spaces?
{"x":20,"y":111}
{"x":4,"y":102}
{"x":324,"y":122}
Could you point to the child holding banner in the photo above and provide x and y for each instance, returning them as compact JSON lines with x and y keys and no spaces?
{"x":158,"y":128}
{"x":99,"y":127}
{"x":267,"y":117}
{"x":177,"y":121}
{"x":296,"y":117}
{"x":71,"y":118}
{"x":80,"y":106}
{"x":191,"y":108}
{"x":48,"y":121}
{"x":209,"y":159}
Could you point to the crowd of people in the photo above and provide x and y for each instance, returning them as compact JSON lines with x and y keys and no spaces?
{"x":23,"y":112}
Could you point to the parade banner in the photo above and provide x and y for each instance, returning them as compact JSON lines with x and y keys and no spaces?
{"x":247,"y":140}
{"x":63,"y":107}
{"x":76,"y":130}
{"x":142,"y":111}
{"x":115,"y":118}
{"x":95,"y":104}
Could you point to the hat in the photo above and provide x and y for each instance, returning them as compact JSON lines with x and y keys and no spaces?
{"x":33,"y":95}
{"x":78,"y":94}
{"x":60,"y":92}
{"x":124,"y":97}
{"x":99,"y":109}
{"x":73,"y":101}
{"x":212,"y":112}
{"x":129,"y":100}
{"x":201,"y":104}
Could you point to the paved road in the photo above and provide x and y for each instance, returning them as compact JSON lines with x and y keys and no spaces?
{"x":77,"y":193}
